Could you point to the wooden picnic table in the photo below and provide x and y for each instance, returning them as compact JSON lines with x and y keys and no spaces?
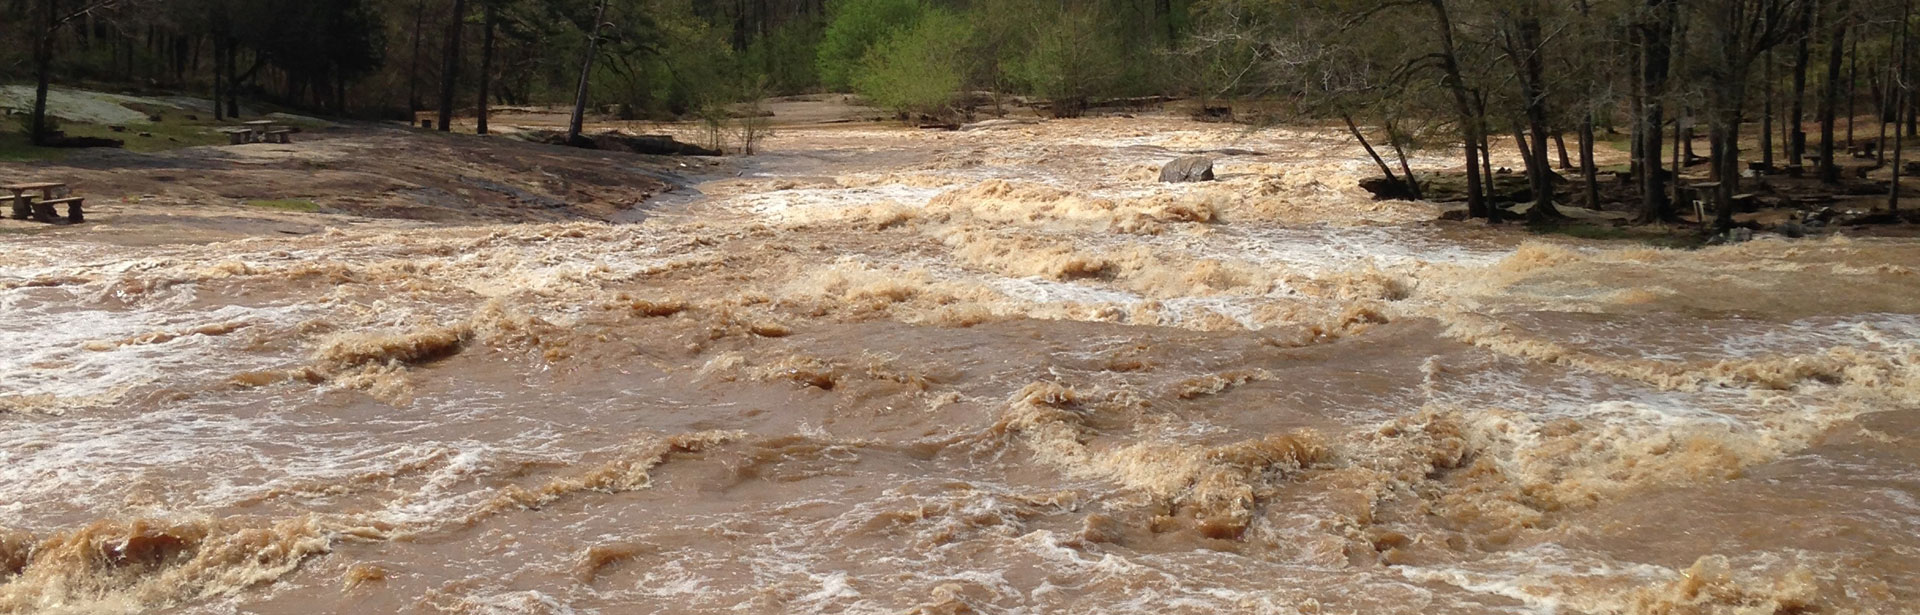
{"x":21,"y":211}
{"x":24,"y":207}
{"x":268,"y":131}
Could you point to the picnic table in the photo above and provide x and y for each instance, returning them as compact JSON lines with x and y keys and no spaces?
{"x":259,"y":131}
{"x":270,"y":131}
{"x":24,"y":207}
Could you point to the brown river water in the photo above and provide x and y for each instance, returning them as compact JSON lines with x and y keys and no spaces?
{"x":886,"y":371}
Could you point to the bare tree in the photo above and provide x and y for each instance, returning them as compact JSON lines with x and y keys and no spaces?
{"x":1654,"y":32}
{"x":1522,"y":41}
{"x":1737,"y":33}
{"x":1836,"y":45}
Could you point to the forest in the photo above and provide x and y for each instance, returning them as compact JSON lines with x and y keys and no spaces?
{"x":1401,"y":76}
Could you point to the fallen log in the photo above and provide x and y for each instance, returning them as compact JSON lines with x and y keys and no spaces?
{"x":654,"y":145}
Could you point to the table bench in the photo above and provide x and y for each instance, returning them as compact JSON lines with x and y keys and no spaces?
{"x":25,"y":208}
{"x":44,"y":212}
{"x":280,"y":135}
{"x":238,"y":136}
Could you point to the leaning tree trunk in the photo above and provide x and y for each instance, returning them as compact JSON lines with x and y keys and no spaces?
{"x":450,"y":73}
{"x":1406,"y":170}
{"x":486,"y":69}
{"x":1377,"y":160}
{"x":586,"y":70}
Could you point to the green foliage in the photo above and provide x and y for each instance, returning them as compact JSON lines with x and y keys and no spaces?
{"x":671,"y":64}
{"x":854,"y":27}
{"x":1073,"y":55}
{"x":788,"y":56}
{"x":919,"y":69}
{"x":316,"y":39}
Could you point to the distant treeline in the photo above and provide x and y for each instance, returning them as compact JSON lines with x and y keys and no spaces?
{"x":654,"y":58}
{"x":1410,"y":73}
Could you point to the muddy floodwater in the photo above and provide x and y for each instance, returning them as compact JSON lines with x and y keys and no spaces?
{"x":876,"y":370}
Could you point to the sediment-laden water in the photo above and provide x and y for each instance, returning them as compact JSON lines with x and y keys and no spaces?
{"x":999,"y":372}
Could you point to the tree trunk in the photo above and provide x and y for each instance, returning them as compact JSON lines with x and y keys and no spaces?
{"x":1796,"y":121}
{"x":1486,"y":174}
{"x":1913,"y":103}
{"x":450,"y":72}
{"x":1560,"y":141}
{"x":1766,"y":113}
{"x":1685,"y":138}
{"x":1853,"y":79}
{"x":1636,"y":108}
{"x":219,"y":80}
{"x":1406,"y":170}
{"x":586,"y":70}
{"x":1893,"y":190}
{"x":1520,"y":145}
{"x":43,"y":74}
{"x":1678,"y":164}
{"x":1836,"y":45}
{"x":1656,"y":43}
{"x":1362,"y":138}
{"x":1726,"y":161}
{"x":1588,"y":170}
{"x":1886,"y":102}
{"x":413,"y":62}
{"x":486,"y":68}
{"x":233,"y":79}
{"x":1901,"y":93}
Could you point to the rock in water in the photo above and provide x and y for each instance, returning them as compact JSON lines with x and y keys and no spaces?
{"x":1188,"y":169}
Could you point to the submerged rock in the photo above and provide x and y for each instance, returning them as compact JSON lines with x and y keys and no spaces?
{"x":1188,"y":169}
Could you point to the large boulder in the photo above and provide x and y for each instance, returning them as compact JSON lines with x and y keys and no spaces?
{"x":1188,"y":169}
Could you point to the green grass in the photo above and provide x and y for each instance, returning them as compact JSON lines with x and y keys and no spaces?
{"x":14,"y":147}
{"x":173,"y":131}
{"x":287,"y":205}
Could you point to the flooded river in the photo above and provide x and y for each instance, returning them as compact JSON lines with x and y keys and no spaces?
{"x":888,"y":371}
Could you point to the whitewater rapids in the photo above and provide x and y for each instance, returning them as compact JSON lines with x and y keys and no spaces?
{"x":890,"y":371}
